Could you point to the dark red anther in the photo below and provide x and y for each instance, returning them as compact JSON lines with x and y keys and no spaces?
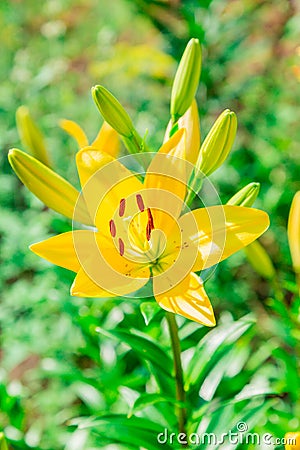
{"x":121,"y":247}
{"x":150,"y":224}
{"x":112,"y":228}
{"x":122,"y":207}
{"x":140,"y":203}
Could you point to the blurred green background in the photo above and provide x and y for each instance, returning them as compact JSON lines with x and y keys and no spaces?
{"x":54,"y":364}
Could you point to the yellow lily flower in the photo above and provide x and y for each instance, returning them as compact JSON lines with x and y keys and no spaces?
{"x":107,"y":139}
{"x":143,"y":235}
{"x":292,"y":440}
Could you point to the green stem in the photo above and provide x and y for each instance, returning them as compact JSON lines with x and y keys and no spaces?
{"x":298,"y":281}
{"x":180,"y":392}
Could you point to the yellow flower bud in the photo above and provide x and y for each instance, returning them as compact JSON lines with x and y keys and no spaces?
{"x":294,"y":232}
{"x":186,"y":79}
{"x":112,"y":111}
{"x":245,"y":196}
{"x":260,"y":260}
{"x":3,"y":444}
{"x":53,"y":190}
{"x":292,"y":440}
{"x":217,"y":143}
{"x":31,"y":136}
{"x":190,"y":121}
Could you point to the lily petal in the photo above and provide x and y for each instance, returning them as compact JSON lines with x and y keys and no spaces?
{"x":221,"y":231}
{"x":190,"y":121}
{"x":85,"y":286}
{"x":108,"y":272}
{"x":107,"y":140}
{"x":106,"y":182}
{"x":75,"y":131}
{"x":60,"y":249}
{"x":167,"y":175}
{"x":188,"y":299}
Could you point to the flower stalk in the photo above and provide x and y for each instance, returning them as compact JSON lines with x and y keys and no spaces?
{"x":180,"y":392}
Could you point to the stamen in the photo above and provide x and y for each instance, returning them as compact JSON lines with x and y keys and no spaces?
{"x":140,"y":203}
{"x":121,"y":247}
{"x":112,"y":228}
{"x":150,"y":224}
{"x":122,"y":207}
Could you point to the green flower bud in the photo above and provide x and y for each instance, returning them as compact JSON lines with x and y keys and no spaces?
{"x":186,"y":79}
{"x":260,"y":260}
{"x":255,"y":252}
{"x":53,"y":190}
{"x":30,"y":135}
{"x":112,"y":111}
{"x":3,"y":444}
{"x":245,"y":196}
{"x":217,"y":143}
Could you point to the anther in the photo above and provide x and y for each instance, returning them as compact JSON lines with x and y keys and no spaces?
{"x":121,"y":247}
{"x":150,"y":224}
{"x":140,"y":203}
{"x":122,"y":207}
{"x":112,"y":228}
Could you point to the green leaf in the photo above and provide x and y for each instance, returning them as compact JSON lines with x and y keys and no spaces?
{"x":149,"y":311}
{"x":147,"y":350}
{"x":136,"y":432}
{"x":145,"y":400}
{"x":210,"y":349}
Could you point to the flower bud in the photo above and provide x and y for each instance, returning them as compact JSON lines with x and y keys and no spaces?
{"x":112,"y":111}
{"x":294,"y":232}
{"x":31,"y":136}
{"x":245,"y":196}
{"x":3,"y":444}
{"x":255,"y":252}
{"x":186,"y":79}
{"x":260,"y":260}
{"x":53,"y":190}
{"x":217,"y":143}
{"x":189,"y":121}
{"x":292,"y":440}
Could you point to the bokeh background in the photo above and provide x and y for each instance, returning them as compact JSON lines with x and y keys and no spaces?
{"x":54,"y":364}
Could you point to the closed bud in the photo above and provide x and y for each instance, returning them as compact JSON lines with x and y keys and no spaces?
{"x":260,"y":260}
{"x":112,"y":111}
{"x":217,"y":143}
{"x":292,"y":440}
{"x":189,"y":121}
{"x":186,"y":79}
{"x":3,"y":444}
{"x":30,"y":135}
{"x":255,"y":252}
{"x":53,"y":190}
{"x":245,"y":196}
{"x":294,"y":232}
